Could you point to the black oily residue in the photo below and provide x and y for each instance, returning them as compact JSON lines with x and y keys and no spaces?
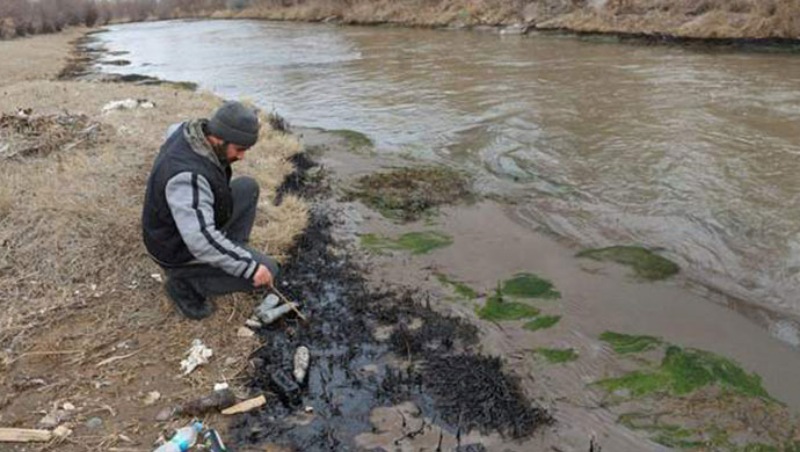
{"x":351,"y":371}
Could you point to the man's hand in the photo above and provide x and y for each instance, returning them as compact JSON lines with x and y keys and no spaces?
{"x":262,"y":277}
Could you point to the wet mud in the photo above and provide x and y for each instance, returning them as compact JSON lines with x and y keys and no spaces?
{"x":371,"y":348}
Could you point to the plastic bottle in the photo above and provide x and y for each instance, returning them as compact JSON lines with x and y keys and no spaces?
{"x":183,"y":439}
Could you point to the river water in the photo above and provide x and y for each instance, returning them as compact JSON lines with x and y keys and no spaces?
{"x":693,"y":152}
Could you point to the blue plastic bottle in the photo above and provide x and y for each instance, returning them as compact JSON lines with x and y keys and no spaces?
{"x":183,"y":439}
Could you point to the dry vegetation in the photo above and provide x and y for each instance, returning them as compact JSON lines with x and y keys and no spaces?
{"x":751,"y":19}
{"x":682,"y":18}
{"x":75,"y":282}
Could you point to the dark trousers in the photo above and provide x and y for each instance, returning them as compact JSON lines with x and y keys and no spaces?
{"x":211,"y":281}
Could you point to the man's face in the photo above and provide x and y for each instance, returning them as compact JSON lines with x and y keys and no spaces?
{"x":234,"y":152}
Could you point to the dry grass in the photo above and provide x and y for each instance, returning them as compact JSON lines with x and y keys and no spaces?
{"x":75,"y":281}
{"x":682,"y":18}
{"x":752,"y":19}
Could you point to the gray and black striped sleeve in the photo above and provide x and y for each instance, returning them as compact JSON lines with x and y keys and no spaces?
{"x":192,"y":204}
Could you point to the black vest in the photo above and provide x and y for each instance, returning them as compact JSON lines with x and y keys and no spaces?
{"x":161,"y":236}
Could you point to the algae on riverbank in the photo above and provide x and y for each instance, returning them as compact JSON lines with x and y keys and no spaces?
{"x":461,"y":289}
{"x":499,"y":309}
{"x":684,"y":370}
{"x":626,"y":343}
{"x":528,"y":285}
{"x":645,"y":263}
{"x":692,"y":397}
{"x":542,"y":322}
{"x":408,"y":194}
{"x":558,"y":355}
{"x":414,"y":242}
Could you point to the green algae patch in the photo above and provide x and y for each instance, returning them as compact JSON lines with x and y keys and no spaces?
{"x":558,"y":355}
{"x":665,"y":434}
{"x":685,"y":370}
{"x":499,"y":309}
{"x":627,"y":343}
{"x":461,"y":289}
{"x":408,"y":194}
{"x":646,"y":264}
{"x":355,"y":141}
{"x":528,"y":285}
{"x":543,"y":322}
{"x":414,"y":242}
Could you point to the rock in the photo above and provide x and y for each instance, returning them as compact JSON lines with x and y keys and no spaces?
{"x":54,"y":418}
{"x":244,"y":331}
{"x":516,"y":29}
{"x":49,"y":421}
{"x":62,"y":431}
{"x":94,"y":423}
{"x":151,"y":398}
{"x":165,"y":414}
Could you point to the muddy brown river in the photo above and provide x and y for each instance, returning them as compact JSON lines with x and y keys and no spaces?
{"x":692,"y":151}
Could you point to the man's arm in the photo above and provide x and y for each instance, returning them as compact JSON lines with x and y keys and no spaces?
{"x":191,"y":202}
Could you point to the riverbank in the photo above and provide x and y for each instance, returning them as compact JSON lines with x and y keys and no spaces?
{"x":571,"y":344}
{"x":88,"y":338}
{"x":746,"y":21}
{"x":602,"y":351}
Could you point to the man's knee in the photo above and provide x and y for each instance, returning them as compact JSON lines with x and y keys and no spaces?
{"x":245,"y":187}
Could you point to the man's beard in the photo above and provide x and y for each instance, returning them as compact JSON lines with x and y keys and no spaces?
{"x":220,"y":152}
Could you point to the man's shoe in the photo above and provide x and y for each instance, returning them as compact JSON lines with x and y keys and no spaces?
{"x":189,"y":302}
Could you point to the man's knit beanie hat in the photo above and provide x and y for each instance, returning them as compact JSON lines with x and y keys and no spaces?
{"x":235,"y":123}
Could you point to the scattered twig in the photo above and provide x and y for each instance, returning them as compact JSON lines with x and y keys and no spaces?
{"x":115,"y":358}
{"x":294,"y":308}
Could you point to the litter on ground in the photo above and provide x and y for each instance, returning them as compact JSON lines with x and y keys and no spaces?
{"x":198,"y":354}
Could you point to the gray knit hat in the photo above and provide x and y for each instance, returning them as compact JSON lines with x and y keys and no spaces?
{"x":235,"y":123}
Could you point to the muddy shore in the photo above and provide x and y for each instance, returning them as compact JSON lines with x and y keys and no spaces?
{"x":485,"y":249}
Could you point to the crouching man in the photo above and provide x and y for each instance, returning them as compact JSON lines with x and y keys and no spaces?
{"x":196,"y":221}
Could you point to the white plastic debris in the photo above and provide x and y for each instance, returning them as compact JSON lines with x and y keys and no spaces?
{"x":220,"y":386}
{"x":198,"y":354}
{"x":302,"y":358}
{"x":127,"y":104}
{"x":68,"y":406}
{"x":157,"y":277}
{"x":253,"y":323}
